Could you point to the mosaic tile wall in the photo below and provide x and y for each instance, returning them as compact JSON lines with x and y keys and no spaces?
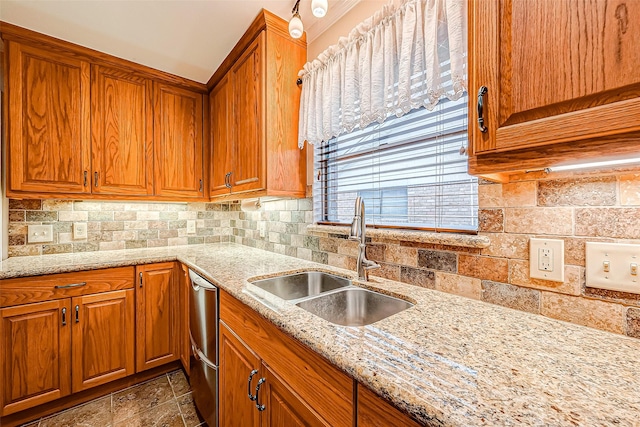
{"x":575,"y":209}
{"x":115,"y":225}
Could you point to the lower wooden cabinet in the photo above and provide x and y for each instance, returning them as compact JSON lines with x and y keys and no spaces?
{"x":103,"y":336}
{"x":157,"y":323}
{"x":373,"y":411}
{"x":297,"y":386}
{"x":35,"y":354}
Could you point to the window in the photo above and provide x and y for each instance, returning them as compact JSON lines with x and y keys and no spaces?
{"x":408,"y":170}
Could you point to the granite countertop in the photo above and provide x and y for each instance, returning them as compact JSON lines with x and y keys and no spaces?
{"x":449,"y":360}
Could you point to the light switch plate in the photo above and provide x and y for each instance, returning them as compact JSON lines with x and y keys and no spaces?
{"x":39,"y":233}
{"x":79,"y":230}
{"x":191,"y":226}
{"x":620,"y":259}
{"x":546,"y":259}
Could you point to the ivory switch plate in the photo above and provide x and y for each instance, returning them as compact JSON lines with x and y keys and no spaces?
{"x":39,"y":233}
{"x":79,"y":230}
{"x":613,"y":266}
{"x":546,"y":259}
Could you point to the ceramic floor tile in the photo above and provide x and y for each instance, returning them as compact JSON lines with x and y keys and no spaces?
{"x":164,"y":415}
{"x":96,"y":413}
{"x":139,"y":398}
{"x":189,"y":413}
{"x":179,"y":382}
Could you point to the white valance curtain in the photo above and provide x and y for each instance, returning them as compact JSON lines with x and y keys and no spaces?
{"x":408,"y":55}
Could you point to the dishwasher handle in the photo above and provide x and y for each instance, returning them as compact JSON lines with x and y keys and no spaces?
{"x":198,"y":282}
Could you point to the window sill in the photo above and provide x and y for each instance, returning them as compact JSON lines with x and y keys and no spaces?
{"x":449,"y":239}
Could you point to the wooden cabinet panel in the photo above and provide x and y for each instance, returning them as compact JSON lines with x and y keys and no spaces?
{"x":247,"y":76}
{"x":283,"y":407}
{"x":157,"y":334}
{"x":322,"y":386}
{"x":185,"y":342}
{"x":374,"y":411}
{"x":49,"y":131}
{"x":103,"y":338}
{"x":237,"y":361}
{"x":25,"y":290}
{"x":556,"y":72}
{"x":34,"y":354}
{"x":178,"y":146}
{"x":221,"y":112}
{"x":122,"y":132}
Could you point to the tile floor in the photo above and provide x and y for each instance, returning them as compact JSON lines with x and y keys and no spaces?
{"x":164,"y":401}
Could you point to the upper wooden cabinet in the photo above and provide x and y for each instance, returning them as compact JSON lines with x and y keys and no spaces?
{"x":82,"y":123}
{"x":179,"y":167}
{"x":48,"y":130}
{"x":254,"y":115}
{"x":561,"y":78}
{"x":122,"y":132}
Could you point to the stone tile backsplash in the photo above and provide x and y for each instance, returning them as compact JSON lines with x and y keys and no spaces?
{"x":576,"y":209}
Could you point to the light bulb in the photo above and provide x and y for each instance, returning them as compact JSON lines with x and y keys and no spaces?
{"x":295,"y":26}
{"x":319,"y":8}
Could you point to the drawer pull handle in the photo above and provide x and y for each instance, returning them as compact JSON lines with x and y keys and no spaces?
{"x":64,"y":316}
{"x":258,"y":405}
{"x":481,"y":92}
{"x":77,"y":314}
{"x":251,"y":396}
{"x":71,"y":285}
{"x":201,"y":186}
{"x":85,"y":178}
{"x":95,"y":178}
{"x":141,"y":279}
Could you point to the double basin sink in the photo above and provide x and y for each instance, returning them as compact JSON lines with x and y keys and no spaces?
{"x":333,"y":298}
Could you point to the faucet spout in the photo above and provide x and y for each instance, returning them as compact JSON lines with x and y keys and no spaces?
{"x":358,"y":233}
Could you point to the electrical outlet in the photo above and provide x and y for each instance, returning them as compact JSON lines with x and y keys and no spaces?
{"x":546,"y":259}
{"x":191,"y":226}
{"x":262,"y":227}
{"x":39,"y":233}
{"x":79,"y":230}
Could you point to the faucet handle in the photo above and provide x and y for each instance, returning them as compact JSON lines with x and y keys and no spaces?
{"x":370,"y":265}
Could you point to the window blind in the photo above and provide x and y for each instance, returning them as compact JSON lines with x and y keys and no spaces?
{"x":408,"y":170}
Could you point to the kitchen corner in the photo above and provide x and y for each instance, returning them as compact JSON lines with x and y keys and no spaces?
{"x":448,"y":360}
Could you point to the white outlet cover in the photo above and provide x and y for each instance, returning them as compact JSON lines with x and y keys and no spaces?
{"x":39,"y":233}
{"x":621,"y":257}
{"x":556,"y":271}
{"x":191,"y":226}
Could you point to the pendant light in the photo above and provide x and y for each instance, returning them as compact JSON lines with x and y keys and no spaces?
{"x":319,"y":8}
{"x":295,"y":24}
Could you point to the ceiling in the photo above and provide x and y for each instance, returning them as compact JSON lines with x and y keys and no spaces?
{"x":189,"y":38}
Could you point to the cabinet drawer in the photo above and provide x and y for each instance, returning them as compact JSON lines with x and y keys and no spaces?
{"x":26,"y":290}
{"x":324,"y":387}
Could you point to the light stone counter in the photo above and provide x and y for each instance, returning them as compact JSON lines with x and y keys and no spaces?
{"x":449,"y":361}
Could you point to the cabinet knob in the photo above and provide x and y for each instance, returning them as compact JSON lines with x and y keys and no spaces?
{"x":251,"y":396}
{"x":258,"y":405}
{"x":481,"y":93}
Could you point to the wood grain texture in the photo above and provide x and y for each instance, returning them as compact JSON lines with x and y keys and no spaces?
{"x":221,"y":113}
{"x":122,"y":132}
{"x":103,"y":338}
{"x":35,"y":354}
{"x":283,"y":407}
{"x":373,"y":411}
{"x":13,"y":32}
{"x":178,"y":144}
{"x":322,"y":386}
{"x":185,"y":342}
{"x":236,"y":363}
{"x":49,"y":123}
{"x":247,"y":76}
{"x":25,"y":290}
{"x":157,"y":321}
{"x":556,"y":71}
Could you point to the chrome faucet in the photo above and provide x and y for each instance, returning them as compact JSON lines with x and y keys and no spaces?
{"x":358,"y":229}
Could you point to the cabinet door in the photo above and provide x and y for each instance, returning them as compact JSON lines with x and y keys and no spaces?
{"x":179,"y":162}
{"x":247,"y":76}
{"x":35,"y":354}
{"x":122,"y":133}
{"x":103,"y":338}
{"x":221,"y":111}
{"x":185,"y":343}
{"x":283,"y":407}
{"x":237,"y":361}
{"x":49,"y":133}
{"x":373,"y":411}
{"x":157,"y":335}
{"x":556,"y":71}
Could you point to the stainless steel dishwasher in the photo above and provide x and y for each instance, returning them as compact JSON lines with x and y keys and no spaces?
{"x":203,"y":332}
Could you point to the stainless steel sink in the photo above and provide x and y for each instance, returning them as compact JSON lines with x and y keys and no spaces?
{"x":354,"y":306}
{"x":301,"y":285}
